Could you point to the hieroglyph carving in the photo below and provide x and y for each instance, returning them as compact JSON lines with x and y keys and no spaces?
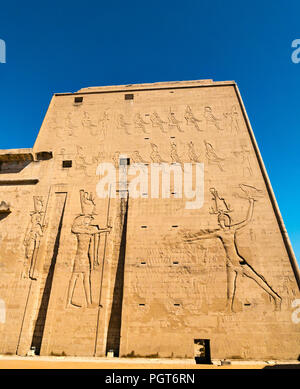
{"x":86,"y":258}
{"x":227,"y":233}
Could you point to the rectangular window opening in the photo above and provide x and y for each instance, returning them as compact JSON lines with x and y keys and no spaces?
{"x":78,"y":99}
{"x":67,"y":164}
{"x":129,"y":96}
{"x":143,"y":226}
{"x":124,"y":161}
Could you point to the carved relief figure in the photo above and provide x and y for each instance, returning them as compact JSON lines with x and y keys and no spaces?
{"x":70,"y":124}
{"x":244,"y":158}
{"x":236,"y":265}
{"x":174,"y":154}
{"x":88,"y":124}
{"x":137,"y":158}
{"x":86,"y":258}
{"x":103,"y":125}
{"x":191,"y":119}
{"x":173,"y":122}
{"x":157,"y":121}
{"x":233,"y":118}
{"x":81,"y":162}
{"x":212,"y":156}
{"x":211,"y":119}
{"x":122,"y":124}
{"x":194,"y":157}
{"x":32,"y":239}
{"x":155,"y":156}
{"x":140,"y":123}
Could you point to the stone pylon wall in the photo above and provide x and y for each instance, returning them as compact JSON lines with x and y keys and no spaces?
{"x":145,"y":275}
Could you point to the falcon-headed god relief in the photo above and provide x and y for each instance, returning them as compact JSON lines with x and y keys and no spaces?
{"x":236,"y":265}
{"x":86,"y":258}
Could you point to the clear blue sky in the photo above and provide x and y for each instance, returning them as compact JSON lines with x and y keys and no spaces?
{"x":61,"y":46}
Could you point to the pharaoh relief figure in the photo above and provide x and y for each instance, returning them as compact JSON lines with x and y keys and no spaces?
{"x":233,"y":120}
{"x":236,"y":265}
{"x":244,"y":158}
{"x":87,"y":252}
{"x":32,"y":239}
{"x":103,"y":125}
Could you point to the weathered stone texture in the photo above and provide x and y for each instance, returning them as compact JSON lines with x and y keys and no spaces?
{"x":166,"y":275}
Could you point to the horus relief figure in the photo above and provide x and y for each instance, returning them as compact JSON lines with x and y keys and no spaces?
{"x":32,"y":239}
{"x":212,"y":156}
{"x":211,"y":119}
{"x":87,"y":124}
{"x":87,"y":253}
{"x":173,"y":122}
{"x":103,"y":124}
{"x":154,"y":155}
{"x":194,"y":157}
{"x":233,"y":119}
{"x":191,"y":119}
{"x":157,"y":121}
{"x":236,"y":265}
{"x":140,"y":123}
{"x":122,"y":124}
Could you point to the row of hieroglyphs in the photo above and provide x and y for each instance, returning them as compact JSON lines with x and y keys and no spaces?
{"x":205,"y":120}
{"x":86,"y":163}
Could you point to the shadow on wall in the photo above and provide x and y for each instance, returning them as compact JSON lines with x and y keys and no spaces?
{"x":285,"y":366}
{"x":114,"y":326}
